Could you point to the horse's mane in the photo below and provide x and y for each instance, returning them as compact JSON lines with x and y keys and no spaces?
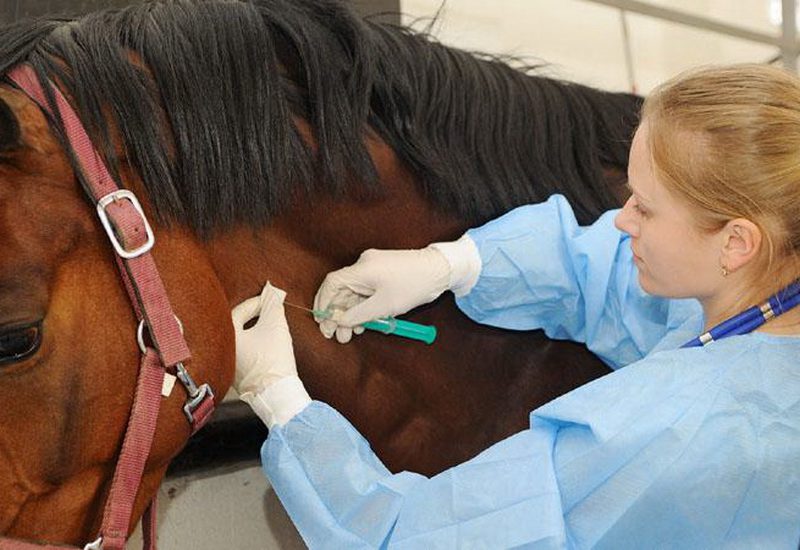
{"x":204,"y":93}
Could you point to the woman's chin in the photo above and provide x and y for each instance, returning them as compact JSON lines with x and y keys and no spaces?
{"x":645,"y":283}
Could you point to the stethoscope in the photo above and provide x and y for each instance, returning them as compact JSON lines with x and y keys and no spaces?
{"x":751,"y":318}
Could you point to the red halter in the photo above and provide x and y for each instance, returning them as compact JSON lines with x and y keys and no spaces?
{"x":132,"y":239}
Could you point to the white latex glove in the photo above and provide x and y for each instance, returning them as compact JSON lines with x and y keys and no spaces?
{"x":385,"y":283}
{"x":266,"y":372}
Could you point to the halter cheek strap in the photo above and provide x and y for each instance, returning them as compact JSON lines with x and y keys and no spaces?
{"x":132,"y":238}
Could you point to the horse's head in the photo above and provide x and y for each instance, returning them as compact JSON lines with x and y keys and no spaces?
{"x":68,"y":349}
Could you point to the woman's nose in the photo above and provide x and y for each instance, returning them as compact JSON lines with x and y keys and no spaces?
{"x":626,"y":219}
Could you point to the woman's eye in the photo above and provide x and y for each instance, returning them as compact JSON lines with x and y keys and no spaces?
{"x":20,"y":343}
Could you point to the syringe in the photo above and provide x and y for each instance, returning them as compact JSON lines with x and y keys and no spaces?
{"x":387,"y":325}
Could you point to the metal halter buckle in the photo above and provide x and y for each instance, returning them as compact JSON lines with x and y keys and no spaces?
{"x":196,"y":394}
{"x":96,"y":545}
{"x":115,"y":196}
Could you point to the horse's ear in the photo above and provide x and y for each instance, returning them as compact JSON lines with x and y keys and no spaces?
{"x":9,"y":128}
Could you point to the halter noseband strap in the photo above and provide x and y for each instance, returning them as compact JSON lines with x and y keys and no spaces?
{"x":132,"y":239}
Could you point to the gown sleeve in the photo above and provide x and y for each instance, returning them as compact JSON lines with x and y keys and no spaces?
{"x":690,"y":448}
{"x":339,"y":494}
{"x":541,"y":270}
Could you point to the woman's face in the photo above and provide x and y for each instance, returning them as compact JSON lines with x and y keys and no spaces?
{"x":674,"y":258}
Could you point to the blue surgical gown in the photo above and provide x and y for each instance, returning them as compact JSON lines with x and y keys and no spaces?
{"x":682,"y":448}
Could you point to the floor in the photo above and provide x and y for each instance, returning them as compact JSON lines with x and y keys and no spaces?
{"x":231,"y":508}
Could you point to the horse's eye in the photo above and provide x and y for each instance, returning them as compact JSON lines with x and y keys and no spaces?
{"x":20,"y":343}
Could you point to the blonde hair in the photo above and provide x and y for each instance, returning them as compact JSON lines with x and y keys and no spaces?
{"x":727,"y":140}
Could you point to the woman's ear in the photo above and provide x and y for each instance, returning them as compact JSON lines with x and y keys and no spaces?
{"x":742,"y":241}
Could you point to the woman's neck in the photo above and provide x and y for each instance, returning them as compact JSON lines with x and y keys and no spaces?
{"x":719,"y":308}
{"x":787,"y":324}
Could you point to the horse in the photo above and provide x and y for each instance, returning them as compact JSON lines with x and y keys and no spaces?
{"x":266,"y":140}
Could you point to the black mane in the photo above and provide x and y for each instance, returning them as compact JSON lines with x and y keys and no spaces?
{"x":209,"y":122}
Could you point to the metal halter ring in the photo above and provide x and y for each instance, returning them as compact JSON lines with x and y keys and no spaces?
{"x":140,"y":333}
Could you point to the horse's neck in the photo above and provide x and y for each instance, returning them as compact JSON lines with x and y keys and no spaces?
{"x":320,"y":234}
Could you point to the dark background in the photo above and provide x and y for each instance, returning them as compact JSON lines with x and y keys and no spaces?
{"x":11,"y":10}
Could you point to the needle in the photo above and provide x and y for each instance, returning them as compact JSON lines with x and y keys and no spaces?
{"x":315,"y":313}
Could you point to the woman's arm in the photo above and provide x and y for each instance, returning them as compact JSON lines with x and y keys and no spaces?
{"x":689,"y":448}
{"x":540,"y":269}
{"x":339,"y":494}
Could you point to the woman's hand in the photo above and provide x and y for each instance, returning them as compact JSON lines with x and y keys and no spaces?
{"x":385,"y":283}
{"x":382,"y":283}
{"x":266,"y":372}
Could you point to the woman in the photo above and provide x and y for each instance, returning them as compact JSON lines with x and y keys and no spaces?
{"x":690,"y":447}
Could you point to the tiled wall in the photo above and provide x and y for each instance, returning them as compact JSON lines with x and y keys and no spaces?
{"x":11,"y":10}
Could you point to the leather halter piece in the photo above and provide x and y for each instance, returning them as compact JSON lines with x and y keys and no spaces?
{"x":132,"y":238}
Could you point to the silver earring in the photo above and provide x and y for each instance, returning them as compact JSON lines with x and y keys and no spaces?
{"x":725,"y":271}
